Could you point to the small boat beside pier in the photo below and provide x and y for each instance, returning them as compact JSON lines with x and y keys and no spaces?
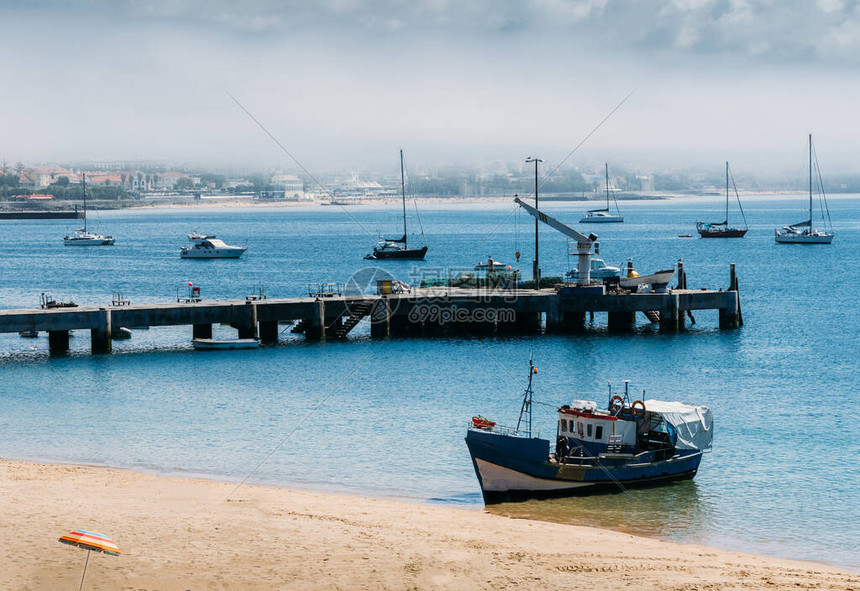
{"x":224,"y":344}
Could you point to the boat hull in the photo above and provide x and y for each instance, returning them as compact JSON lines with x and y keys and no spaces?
{"x":214,"y":253}
{"x":512,"y":468}
{"x":215,"y":345}
{"x":609,"y":219}
{"x":803,"y":238}
{"x":408,"y":254}
{"x":728,"y":233}
{"x":89,"y":241}
{"x":658,"y":278}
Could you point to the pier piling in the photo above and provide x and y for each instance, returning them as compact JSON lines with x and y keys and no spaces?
{"x":268,"y":331}
{"x":58,"y":341}
{"x":100,"y":341}
{"x":671,"y":317}
{"x":620,"y":322}
{"x":380,"y":319}
{"x":202,"y":331}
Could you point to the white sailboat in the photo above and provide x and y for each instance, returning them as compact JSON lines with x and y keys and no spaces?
{"x":81,"y":237}
{"x":803,"y":232}
{"x":603,"y":215}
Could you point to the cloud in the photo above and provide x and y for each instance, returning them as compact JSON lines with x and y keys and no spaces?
{"x":776,"y":30}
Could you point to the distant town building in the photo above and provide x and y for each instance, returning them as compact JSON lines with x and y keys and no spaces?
{"x":646,"y":183}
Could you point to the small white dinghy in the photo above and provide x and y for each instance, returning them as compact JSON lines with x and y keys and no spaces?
{"x":216,"y":345}
{"x":658,"y":279}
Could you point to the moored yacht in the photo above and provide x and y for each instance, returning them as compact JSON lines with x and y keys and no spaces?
{"x":603,"y":215}
{"x":722,"y":229}
{"x":397,"y":248}
{"x":804,"y":232}
{"x":82,"y":237}
{"x":211,"y":248}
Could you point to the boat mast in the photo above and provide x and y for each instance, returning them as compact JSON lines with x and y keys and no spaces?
{"x":84,"y":185}
{"x":527,"y":398}
{"x":403,"y":192}
{"x":810,"y":183}
{"x":606,"y":165}
{"x":727,"y":193}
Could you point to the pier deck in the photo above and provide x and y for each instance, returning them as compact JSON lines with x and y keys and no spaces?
{"x":423,"y":311}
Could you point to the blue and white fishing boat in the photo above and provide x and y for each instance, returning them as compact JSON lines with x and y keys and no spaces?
{"x":643,"y":443}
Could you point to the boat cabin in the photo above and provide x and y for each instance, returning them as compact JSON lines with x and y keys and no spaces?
{"x":585,"y":431}
{"x":590,"y":432}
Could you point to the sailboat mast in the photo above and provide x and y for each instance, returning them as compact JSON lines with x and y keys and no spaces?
{"x":84,"y":185}
{"x":727,"y":191}
{"x":403,"y":192}
{"x":810,"y":182}
{"x":606,"y":165}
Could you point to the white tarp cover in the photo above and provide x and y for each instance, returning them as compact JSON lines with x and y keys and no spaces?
{"x":694,"y":424}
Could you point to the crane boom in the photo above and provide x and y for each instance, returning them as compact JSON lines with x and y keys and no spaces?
{"x":583,"y":242}
{"x":554,"y":223}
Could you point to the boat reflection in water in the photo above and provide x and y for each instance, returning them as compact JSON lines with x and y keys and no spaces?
{"x":678,"y":512}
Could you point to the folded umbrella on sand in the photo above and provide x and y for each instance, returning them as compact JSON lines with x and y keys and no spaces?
{"x":91,"y":542}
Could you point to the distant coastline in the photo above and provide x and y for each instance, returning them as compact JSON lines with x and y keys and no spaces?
{"x":184,"y":202}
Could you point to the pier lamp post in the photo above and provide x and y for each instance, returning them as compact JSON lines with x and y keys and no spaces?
{"x":536,"y":262}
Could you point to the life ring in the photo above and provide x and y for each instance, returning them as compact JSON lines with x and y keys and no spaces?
{"x":633,"y":408}
{"x":616,"y":404}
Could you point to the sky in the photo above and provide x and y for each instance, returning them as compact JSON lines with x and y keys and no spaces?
{"x":344,"y":84}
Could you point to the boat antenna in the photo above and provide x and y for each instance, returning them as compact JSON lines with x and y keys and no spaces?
{"x":527,"y":398}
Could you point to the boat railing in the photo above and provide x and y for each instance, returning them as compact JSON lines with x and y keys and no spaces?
{"x":325,"y":290}
{"x":504,"y":430}
{"x":119,"y":300}
{"x":258,"y":293}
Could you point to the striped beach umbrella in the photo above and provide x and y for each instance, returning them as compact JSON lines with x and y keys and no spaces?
{"x":91,"y":542}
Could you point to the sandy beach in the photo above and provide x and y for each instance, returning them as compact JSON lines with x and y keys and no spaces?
{"x":194,"y":534}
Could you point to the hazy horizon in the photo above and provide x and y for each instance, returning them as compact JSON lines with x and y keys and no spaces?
{"x":344,"y":84}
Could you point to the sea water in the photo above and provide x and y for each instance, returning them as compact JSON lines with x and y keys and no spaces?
{"x":387,"y":417}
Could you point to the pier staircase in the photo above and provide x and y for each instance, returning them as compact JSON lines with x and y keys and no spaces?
{"x":355,"y":313}
{"x":652,"y":316}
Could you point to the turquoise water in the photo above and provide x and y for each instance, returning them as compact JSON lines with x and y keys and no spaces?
{"x":390,"y":414}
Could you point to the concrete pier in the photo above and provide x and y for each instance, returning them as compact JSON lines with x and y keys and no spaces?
{"x":419,"y":312}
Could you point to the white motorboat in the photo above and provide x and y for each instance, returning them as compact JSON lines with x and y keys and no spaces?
{"x":211,"y":248}
{"x":599,"y":271}
{"x":82,"y":237}
{"x":603,"y":215}
{"x":803,"y":232}
{"x":216,"y":345}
